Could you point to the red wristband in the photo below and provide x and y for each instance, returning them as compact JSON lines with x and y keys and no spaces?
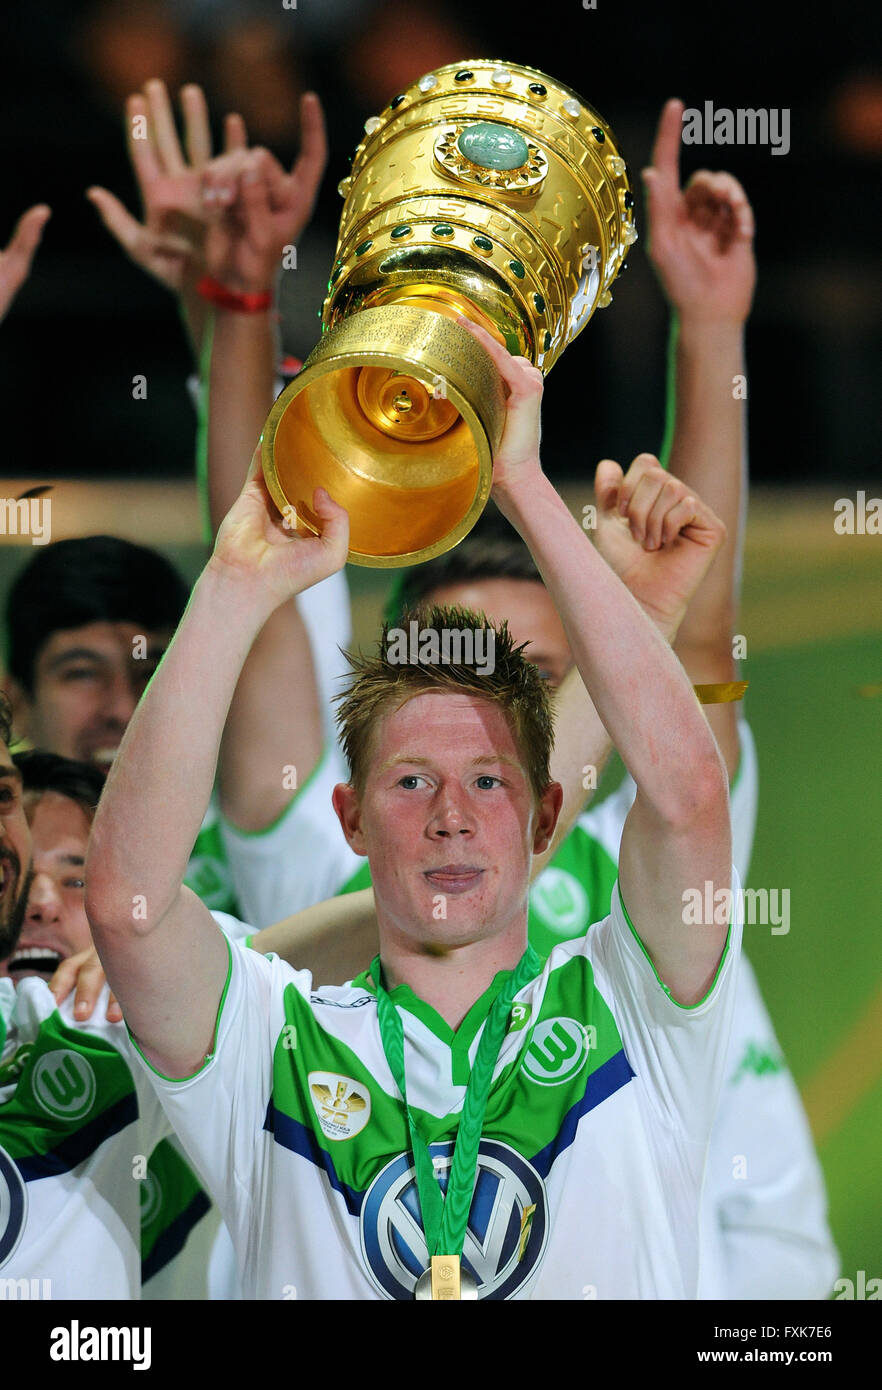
{"x":224,"y":298}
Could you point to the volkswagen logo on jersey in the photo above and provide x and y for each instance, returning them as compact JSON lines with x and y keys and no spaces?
{"x":508,"y":1222}
{"x":13,"y":1207}
{"x":64,"y":1084}
{"x":557,"y":1050}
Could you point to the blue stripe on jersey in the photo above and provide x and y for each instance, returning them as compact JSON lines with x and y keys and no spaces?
{"x":615,"y":1073}
{"x":79,"y":1146}
{"x":291,"y":1134}
{"x":174,"y":1237}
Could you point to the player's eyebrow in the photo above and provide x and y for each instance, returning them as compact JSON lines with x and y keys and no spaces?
{"x":486,"y":759}
{"x":75,"y":654}
{"x":75,"y":860}
{"x":8,"y":771}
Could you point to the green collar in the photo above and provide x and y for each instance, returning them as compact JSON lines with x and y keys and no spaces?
{"x":460,"y":1040}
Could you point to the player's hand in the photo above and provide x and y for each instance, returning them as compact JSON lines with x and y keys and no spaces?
{"x":700,"y":237}
{"x":85,"y":973}
{"x":15,"y":261}
{"x":255,"y":209}
{"x":658,"y":536}
{"x":256,"y":544}
{"x":168,"y":242}
{"x":517,"y":458}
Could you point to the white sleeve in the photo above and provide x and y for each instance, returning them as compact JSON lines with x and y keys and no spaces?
{"x":605,"y":822}
{"x":678,"y":1051}
{"x":218,"y":1114}
{"x":300,"y":860}
{"x":765,"y":1203}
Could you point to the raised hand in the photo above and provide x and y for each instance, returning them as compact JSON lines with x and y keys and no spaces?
{"x":700,"y":237}
{"x":255,"y":209}
{"x":658,"y":536}
{"x":168,"y":242}
{"x":255,"y":542}
{"x":15,"y":261}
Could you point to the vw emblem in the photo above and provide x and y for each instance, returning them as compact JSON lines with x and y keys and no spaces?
{"x":507,"y":1230}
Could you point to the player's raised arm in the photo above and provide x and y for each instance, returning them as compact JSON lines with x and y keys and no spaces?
{"x":165,"y":958}
{"x":255,"y":209}
{"x":701,"y":245}
{"x":677,"y":835}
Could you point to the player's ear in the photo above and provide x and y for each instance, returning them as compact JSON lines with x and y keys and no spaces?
{"x":21,"y":705}
{"x":346,"y":804}
{"x":547,"y":813}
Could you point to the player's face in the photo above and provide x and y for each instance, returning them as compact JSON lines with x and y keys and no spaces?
{"x":15,"y":854}
{"x":532,"y":618}
{"x":87,"y":683}
{"x":449,"y":822}
{"x":55,"y":924}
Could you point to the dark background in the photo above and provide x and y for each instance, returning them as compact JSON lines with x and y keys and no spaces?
{"x":88,"y":321}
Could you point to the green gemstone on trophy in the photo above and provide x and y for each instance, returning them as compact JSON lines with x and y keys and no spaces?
{"x":401,"y":230}
{"x":516,"y":267}
{"x":365,"y":246}
{"x":483,"y":243}
{"x":493,"y":146}
{"x":442,"y":229}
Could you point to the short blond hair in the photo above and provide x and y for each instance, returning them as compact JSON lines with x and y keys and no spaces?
{"x":379,"y":686}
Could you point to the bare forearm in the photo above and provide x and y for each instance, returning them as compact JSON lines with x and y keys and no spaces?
{"x":638,"y":687}
{"x":241,"y":391}
{"x":161,"y":781}
{"x":708,"y":452}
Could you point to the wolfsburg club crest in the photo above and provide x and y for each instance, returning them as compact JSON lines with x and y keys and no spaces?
{"x":343,"y":1106}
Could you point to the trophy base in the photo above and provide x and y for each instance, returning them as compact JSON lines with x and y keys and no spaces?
{"x":397,"y":413}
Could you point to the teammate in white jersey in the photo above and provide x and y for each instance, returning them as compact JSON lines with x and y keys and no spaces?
{"x":88,"y":1158}
{"x":450,"y":797}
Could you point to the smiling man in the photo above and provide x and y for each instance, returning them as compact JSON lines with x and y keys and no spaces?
{"x":572,"y":1103}
{"x":87,"y":1161}
{"x":59,"y":798}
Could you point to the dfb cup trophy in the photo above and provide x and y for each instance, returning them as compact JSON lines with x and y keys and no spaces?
{"x":484,"y":190}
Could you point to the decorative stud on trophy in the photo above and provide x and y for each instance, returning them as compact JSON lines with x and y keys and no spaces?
{"x":484,"y":190}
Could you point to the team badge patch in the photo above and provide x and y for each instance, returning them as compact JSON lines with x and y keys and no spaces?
{"x":343,"y":1106}
{"x":507,"y":1230}
{"x":64,"y":1084}
{"x":557,"y":1051}
{"x":13,"y":1207}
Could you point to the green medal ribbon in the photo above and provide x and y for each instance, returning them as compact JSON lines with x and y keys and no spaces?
{"x":445,"y":1219}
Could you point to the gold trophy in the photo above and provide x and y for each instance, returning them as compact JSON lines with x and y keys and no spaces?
{"x":486,"y":190}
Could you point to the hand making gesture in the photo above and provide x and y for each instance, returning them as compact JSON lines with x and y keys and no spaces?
{"x":700,"y":237}
{"x":184,"y":192}
{"x":657,"y":534}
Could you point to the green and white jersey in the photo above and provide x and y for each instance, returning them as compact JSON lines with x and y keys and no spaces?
{"x":77,"y":1125}
{"x":96,"y":1195}
{"x":593,"y":1146}
{"x":765,"y":1219}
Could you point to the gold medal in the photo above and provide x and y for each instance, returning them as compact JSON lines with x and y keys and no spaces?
{"x":445,"y":1279}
